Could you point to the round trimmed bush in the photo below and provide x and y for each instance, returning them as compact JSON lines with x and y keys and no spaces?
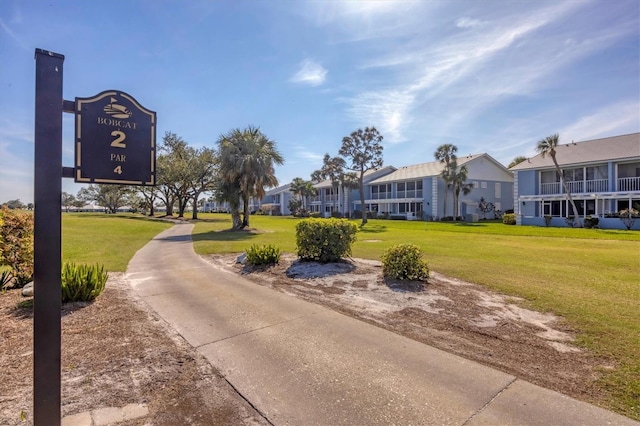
{"x":405,"y":262}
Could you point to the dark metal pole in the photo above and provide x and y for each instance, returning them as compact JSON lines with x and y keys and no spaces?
{"x":47,"y":239}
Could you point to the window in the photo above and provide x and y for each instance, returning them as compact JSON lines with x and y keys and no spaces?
{"x":549,"y":177}
{"x":381,"y":192}
{"x":483,"y":185}
{"x":498,"y":193}
{"x":411,"y":189}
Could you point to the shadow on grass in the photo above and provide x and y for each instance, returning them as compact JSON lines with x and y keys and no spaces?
{"x":210,"y":220}
{"x":372,"y":228}
{"x":470,"y":224}
{"x":224,"y":235}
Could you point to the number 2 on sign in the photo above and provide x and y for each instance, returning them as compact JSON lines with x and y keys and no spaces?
{"x":119,"y":140}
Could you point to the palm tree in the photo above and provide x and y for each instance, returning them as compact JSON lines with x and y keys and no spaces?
{"x":458,"y":183}
{"x":302,"y":189}
{"x":348,"y":180}
{"x":332,"y":169}
{"x":446,"y":155}
{"x":519,"y":159}
{"x":547,"y":146}
{"x":248,"y":159}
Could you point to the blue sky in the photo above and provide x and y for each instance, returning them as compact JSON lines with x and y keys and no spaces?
{"x":487,"y":76}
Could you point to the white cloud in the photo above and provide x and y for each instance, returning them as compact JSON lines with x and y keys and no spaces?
{"x":13,"y":35}
{"x":311,"y":73}
{"x":468,"y":23}
{"x":620,"y":118}
{"x":387,"y":110}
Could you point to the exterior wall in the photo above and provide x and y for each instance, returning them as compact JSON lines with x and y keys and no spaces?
{"x":592,"y":196}
{"x":559,"y":222}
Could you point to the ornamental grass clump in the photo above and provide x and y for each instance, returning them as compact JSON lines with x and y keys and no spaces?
{"x":16,"y":245}
{"x":263,"y":255}
{"x":82,"y":283}
{"x":325,"y":240}
{"x":405,"y":262}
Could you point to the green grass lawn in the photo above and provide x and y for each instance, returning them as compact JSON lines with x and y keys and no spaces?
{"x":589,"y":276}
{"x":107,"y":239}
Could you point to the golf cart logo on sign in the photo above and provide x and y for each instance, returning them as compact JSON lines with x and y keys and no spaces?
{"x":116,"y":110}
{"x":115,"y":140}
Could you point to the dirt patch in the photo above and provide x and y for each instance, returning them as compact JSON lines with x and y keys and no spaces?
{"x":115,"y":352}
{"x":456,"y":316}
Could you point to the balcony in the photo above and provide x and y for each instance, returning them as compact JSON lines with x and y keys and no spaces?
{"x":629,"y":184}
{"x":590,"y":186}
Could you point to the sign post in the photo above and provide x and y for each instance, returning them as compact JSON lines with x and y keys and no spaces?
{"x":115,"y":143}
{"x":47,"y":245}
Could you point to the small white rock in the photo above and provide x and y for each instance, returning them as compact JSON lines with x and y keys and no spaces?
{"x":27,"y":290}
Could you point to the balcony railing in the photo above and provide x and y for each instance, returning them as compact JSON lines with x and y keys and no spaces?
{"x":550,"y":188}
{"x":589,"y":186}
{"x":629,"y":184}
{"x":381,"y":196}
{"x":410,"y":194}
{"x":597,"y":185}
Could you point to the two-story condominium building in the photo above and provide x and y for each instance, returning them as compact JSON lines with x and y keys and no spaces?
{"x":330,"y":198}
{"x":602,"y":175}
{"x":418,"y":191}
{"x":276,"y":200}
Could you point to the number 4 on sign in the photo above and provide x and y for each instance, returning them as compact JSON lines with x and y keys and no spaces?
{"x":118,"y":170}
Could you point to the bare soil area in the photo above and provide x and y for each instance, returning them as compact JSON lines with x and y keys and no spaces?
{"x":117,"y":352}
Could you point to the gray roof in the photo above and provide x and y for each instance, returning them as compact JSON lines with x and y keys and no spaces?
{"x":418,"y":171}
{"x":367,"y":175}
{"x":278,"y":190}
{"x":598,"y":150}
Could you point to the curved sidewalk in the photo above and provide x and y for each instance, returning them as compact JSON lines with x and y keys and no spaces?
{"x":302,"y":364}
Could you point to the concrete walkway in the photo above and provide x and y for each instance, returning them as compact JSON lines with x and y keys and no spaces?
{"x":302,"y":364}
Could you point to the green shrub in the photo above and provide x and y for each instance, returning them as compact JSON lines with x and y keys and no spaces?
{"x":263,"y":255}
{"x":325,"y":240}
{"x":315,"y":215}
{"x":82,"y":282}
{"x":404,"y":262}
{"x":6,"y":276}
{"x":16,"y":248}
{"x":591,"y":222}
{"x":509,"y":219}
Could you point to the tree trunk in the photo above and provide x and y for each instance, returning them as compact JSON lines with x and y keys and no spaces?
{"x":566,"y":190}
{"x":235,"y":219}
{"x":194,"y":214}
{"x":444,"y":205}
{"x":245,"y":216}
{"x":362,"y":206}
{"x":182,"y":206}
